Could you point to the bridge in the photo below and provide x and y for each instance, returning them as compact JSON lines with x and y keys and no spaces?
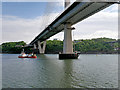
{"x":72,"y":14}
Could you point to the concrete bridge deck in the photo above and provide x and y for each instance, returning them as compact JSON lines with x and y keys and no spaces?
{"x":73,"y":14}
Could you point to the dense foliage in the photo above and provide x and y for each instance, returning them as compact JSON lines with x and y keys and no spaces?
{"x":54,"y":46}
{"x":12,"y":47}
{"x":99,"y":45}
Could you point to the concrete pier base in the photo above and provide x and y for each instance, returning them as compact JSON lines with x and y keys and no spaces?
{"x":68,"y":56}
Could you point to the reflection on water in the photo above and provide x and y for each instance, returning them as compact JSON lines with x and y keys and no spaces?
{"x":47,"y":71}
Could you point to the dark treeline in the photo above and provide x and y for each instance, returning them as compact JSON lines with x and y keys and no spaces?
{"x":13,"y":47}
{"x":99,"y":45}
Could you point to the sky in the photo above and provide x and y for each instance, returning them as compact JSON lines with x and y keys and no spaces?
{"x":23,"y":21}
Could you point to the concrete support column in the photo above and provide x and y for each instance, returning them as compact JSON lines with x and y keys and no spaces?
{"x":67,"y":45}
{"x":44,"y":46}
{"x":35,"y":46}
{"x":41,"y":47}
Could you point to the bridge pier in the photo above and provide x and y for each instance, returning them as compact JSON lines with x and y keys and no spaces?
{"x":35,"y":46}
{"x":41,"y":47}
{"x":68,"y":44}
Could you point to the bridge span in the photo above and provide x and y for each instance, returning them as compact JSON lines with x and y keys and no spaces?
{"x":73,"y":14}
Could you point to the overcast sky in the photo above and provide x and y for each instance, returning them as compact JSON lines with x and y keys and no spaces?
{"x":23,"y":21}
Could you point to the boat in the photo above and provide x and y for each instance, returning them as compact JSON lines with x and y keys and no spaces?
{"x":27,"y":56}
{"x":23,"y":55}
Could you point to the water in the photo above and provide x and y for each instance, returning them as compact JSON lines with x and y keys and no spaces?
{"x":47,"y":71}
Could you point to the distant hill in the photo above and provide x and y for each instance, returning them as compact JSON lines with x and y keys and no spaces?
{"x":12,"y":47}
{"x":98,"y":45}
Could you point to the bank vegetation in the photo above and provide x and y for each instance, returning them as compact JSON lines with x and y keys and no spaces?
{"x":88,"y":46}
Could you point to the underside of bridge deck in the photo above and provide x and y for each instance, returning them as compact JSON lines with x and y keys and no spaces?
{"x":73,"y":14}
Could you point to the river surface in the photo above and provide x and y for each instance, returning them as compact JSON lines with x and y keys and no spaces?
{"x":47,"y":71}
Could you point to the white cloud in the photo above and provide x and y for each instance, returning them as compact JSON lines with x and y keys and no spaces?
{"x":0,"y":30}
{"x":32,"y":0}
{"x":15,"y":28}
{"x":114,"y":8}
{"x":105,"y":22}
{"x":101,"y":33}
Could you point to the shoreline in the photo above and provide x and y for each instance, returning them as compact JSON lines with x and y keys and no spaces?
{"x":58,"y":53}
